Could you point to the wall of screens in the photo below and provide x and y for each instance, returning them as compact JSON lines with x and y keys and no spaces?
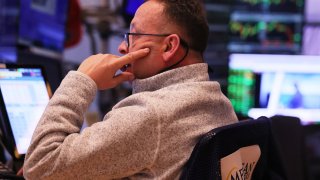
{"x":252,"y":27}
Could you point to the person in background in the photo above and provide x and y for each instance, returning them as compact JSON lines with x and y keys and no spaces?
{"x":297,"y":98}
{"x":151,"y":133}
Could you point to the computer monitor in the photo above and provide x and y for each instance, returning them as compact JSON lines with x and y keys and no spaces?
{"x":24,"y":94}
{"x":267,"y":85}
{"x":42,"y":24}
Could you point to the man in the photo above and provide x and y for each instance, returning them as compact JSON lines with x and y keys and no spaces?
{"x":150,"y":134}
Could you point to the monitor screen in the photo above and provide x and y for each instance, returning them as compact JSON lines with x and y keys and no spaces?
{"x":265,"y":33}
{"x":266,"y":26}
{"x":24,"y":96}
{"x":8,"y":29}
{"x":42,"y":23}
{"x":267,"y":85}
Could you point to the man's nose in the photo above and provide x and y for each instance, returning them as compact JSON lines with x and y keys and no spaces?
{"x":123,"y":49}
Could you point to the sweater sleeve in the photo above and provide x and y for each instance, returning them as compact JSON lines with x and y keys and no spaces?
{"x":123,"y":144}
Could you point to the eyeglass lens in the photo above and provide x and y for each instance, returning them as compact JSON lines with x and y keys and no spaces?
{"x":126,"y":39}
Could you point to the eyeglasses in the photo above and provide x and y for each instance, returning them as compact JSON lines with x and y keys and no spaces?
{"x":126,"y":36}
{"x":183,"y":43}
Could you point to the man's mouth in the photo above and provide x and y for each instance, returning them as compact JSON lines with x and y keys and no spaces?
{"x":125,"y":67}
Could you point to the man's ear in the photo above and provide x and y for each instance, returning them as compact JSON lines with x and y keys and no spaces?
{"x":171,"y":46}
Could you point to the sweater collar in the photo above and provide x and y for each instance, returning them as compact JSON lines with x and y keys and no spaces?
{"x":190,"y":73}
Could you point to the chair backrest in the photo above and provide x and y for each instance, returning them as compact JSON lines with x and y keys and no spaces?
{"x":290,"y":136}
{"x":249,"y":144}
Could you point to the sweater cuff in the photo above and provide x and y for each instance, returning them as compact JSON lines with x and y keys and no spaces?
{"x":77,"y":82}
{"x":79,"y":76}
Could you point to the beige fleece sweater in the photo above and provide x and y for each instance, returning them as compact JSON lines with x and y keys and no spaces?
{"x":148,"y":135}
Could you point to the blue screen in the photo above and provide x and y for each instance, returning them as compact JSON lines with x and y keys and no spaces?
{"x":132,"y":6}
{"x":42,"y":23}
{"x":8,"y":29}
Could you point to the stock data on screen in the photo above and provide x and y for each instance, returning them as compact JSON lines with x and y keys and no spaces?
{"x":266,"y":26}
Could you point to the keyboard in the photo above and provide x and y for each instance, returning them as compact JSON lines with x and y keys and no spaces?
{"x":7,"y":173}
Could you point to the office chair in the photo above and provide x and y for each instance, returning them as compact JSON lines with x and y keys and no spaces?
{"x":244,"y":150}
{"x":288,"y":132}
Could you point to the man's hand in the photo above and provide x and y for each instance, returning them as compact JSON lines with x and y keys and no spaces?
{"x":103,"y":67}
{"x":20,"y":172}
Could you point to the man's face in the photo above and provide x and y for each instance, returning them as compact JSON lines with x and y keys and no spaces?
{"x":148,"y":19}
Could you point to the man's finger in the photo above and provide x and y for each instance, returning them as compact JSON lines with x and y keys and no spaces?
{"x":116,"y":80}
{"x":125,"y":76}
{"x":130,"y":57}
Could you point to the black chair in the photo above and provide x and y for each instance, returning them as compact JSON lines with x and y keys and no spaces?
{"x":208,"y":159}
{"x":289,"y":134}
